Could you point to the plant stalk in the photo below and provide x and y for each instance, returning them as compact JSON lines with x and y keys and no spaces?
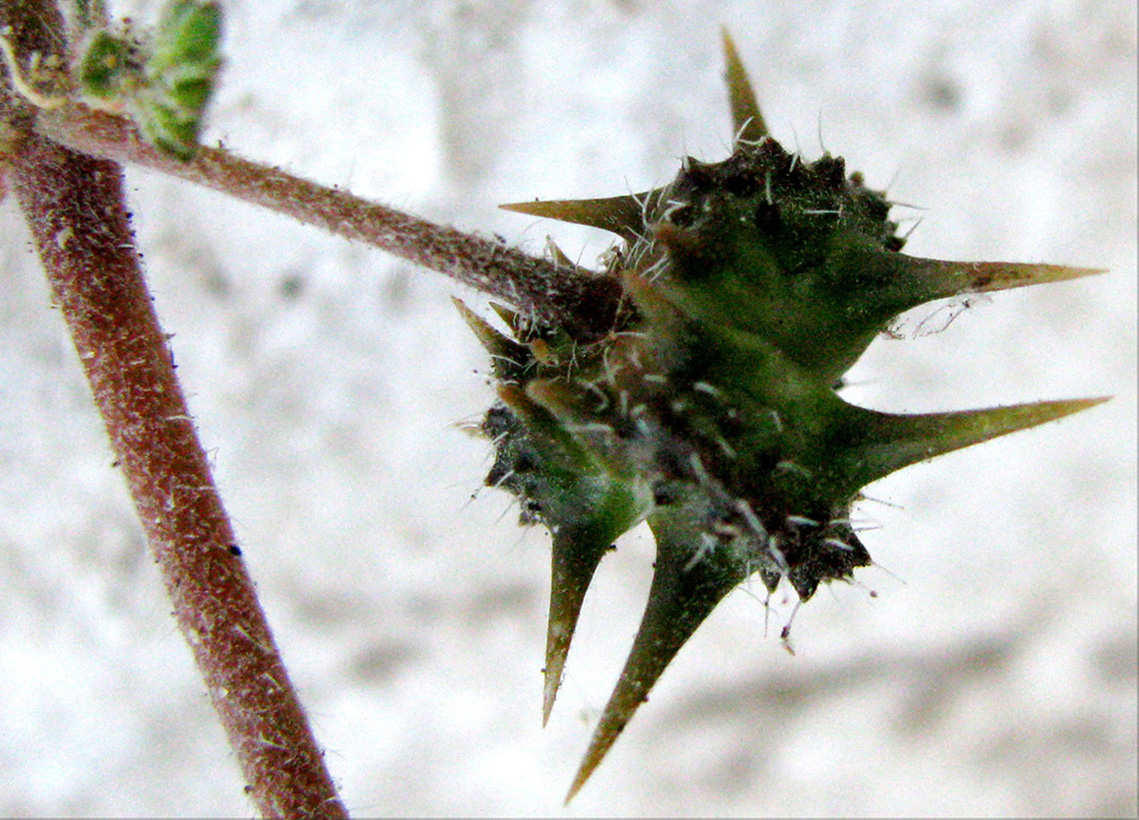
{"x":74,"y":206}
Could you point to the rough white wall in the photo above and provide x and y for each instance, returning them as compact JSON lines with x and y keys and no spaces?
{"x":994,"y":673}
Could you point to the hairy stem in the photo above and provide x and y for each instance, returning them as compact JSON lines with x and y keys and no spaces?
{"x":75,"y":208}
{"x":556,"y":293}
{"x":73,"y":205}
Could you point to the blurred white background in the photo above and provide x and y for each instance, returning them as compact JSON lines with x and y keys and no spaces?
{"x":993,"y":674}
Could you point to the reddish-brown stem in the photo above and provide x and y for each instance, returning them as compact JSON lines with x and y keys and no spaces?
{"x":578,"y":300}
{"x":74,"y":207}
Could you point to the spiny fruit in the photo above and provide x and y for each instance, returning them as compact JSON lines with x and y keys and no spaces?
{"x":710,"y":408}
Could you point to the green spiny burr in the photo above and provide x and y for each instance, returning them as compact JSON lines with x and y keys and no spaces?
{"x":710,"y":409}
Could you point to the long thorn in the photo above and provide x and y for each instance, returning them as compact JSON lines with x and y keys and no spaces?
{"x":576,"y":554}
{"x":682,"y":595}
{"x":746,"y":116}
{"x":622,"y":215}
